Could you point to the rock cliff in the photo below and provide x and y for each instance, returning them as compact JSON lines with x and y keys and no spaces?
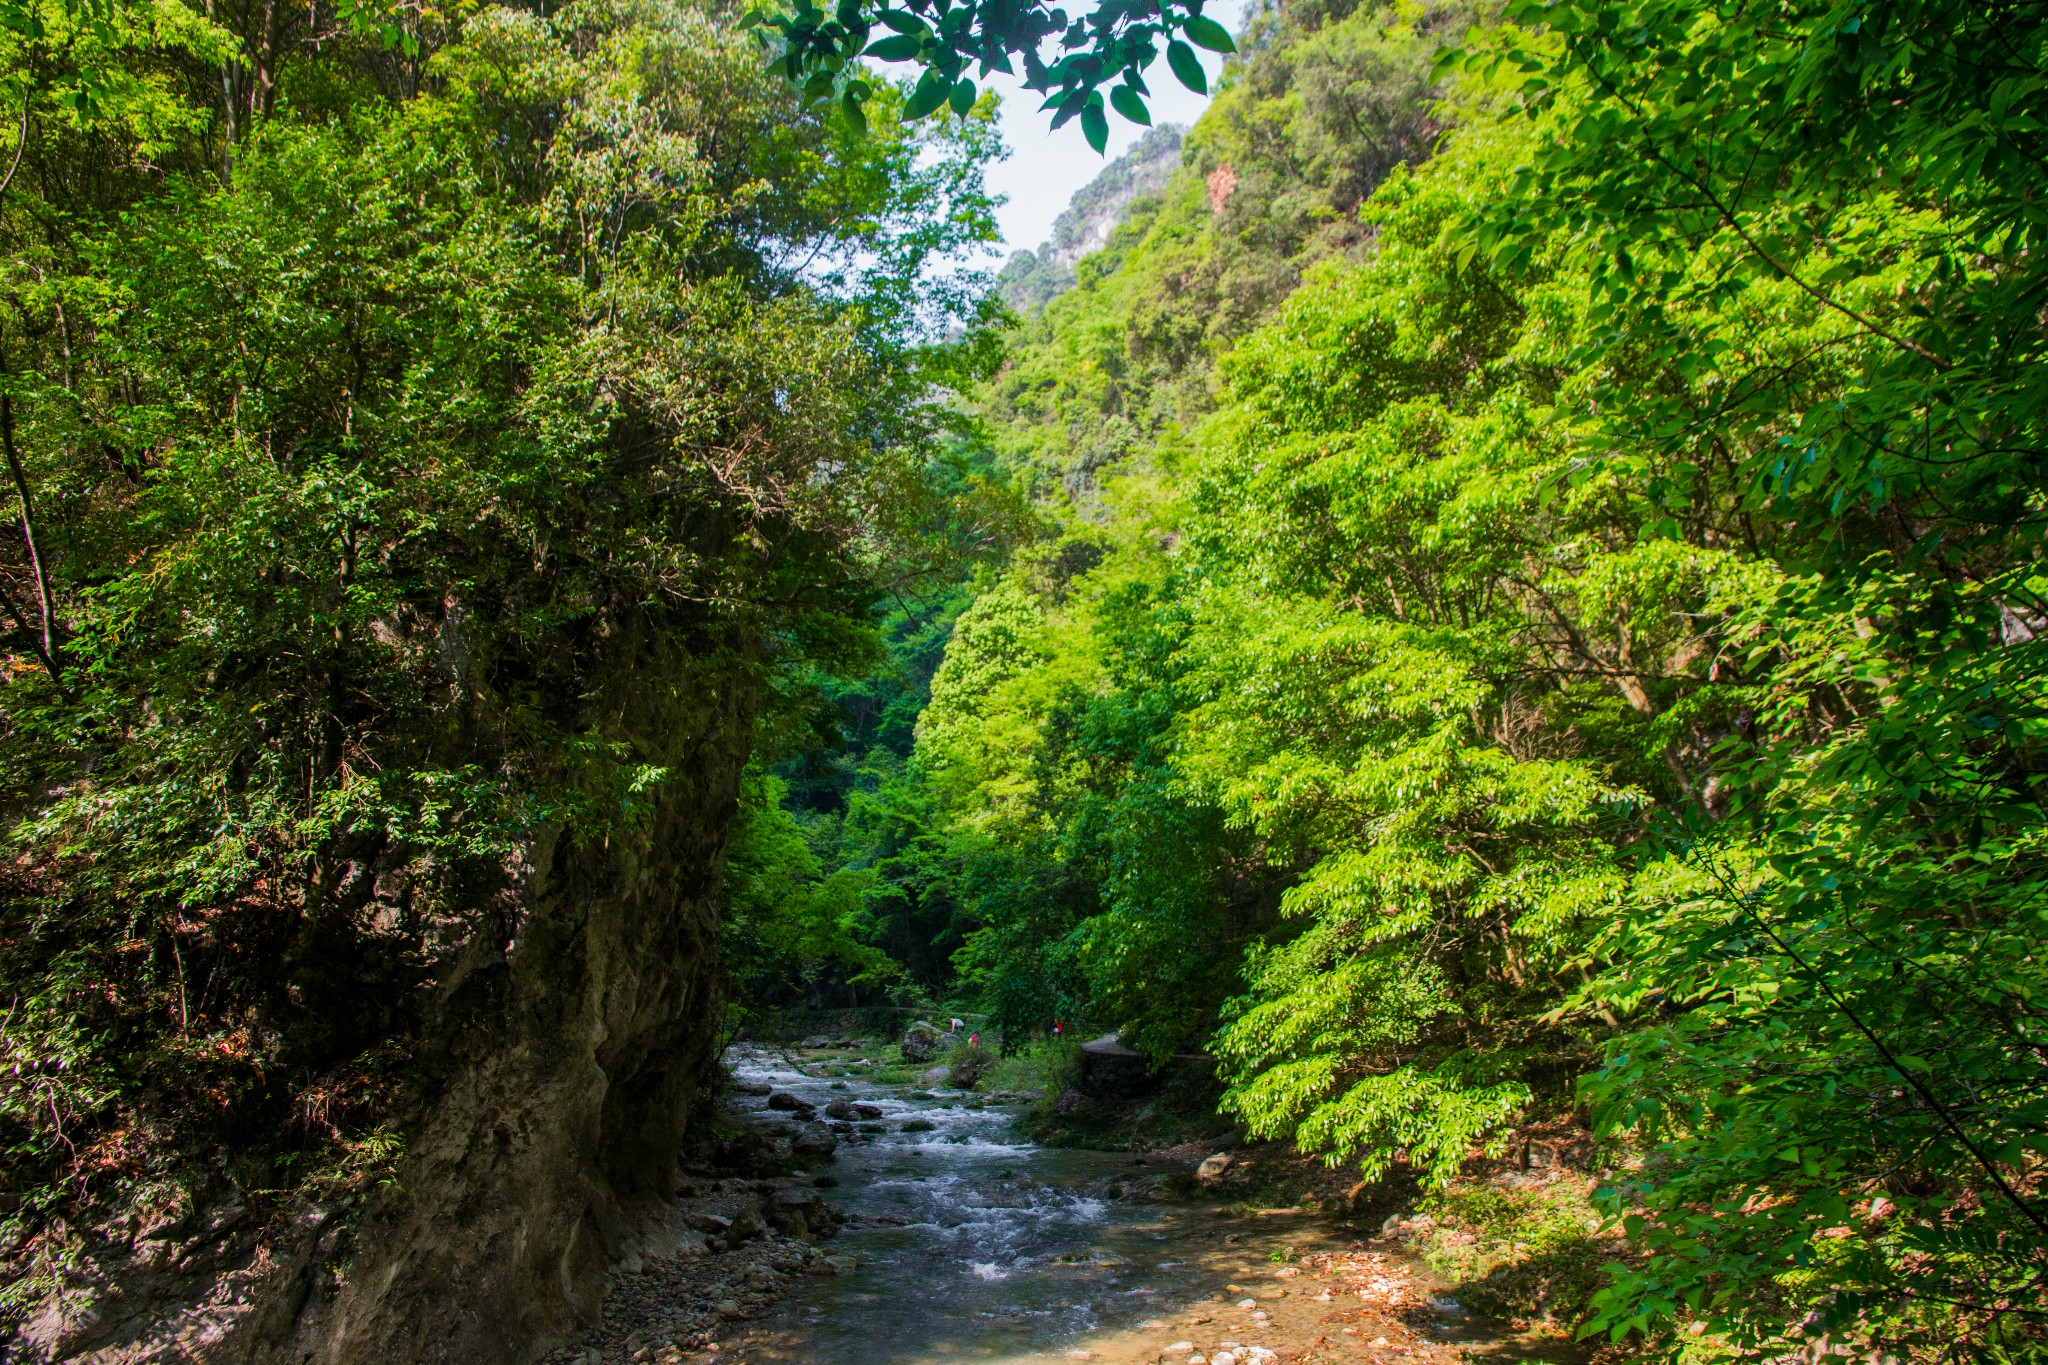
{"x":561,"y":1037}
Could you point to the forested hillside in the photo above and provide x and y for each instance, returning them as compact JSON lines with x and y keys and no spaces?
{"x":1537,"y":619}
{"x":434,"y":456}
{"x":1504,"y":598}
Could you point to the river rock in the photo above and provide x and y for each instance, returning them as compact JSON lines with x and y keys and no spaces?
{"x":921,"y":1042}
{"x":817,"y":1040}
{"x":935,"y":1077}
{"x":800,"y":1212}
{"x":847,"y":1110}
{"x":788,"y":1103}
{"x":814,"y":1143}
{"x":1213,"y":1167}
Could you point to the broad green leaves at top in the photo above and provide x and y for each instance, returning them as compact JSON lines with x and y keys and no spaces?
{"x":819,"y":49}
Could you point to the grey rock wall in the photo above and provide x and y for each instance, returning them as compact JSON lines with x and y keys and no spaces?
{"x":561,"y":1040}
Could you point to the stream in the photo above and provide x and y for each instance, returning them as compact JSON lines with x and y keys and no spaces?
{"x":973,"y":1243}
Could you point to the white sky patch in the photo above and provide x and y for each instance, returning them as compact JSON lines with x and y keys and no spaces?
{"x":1044,"y":167}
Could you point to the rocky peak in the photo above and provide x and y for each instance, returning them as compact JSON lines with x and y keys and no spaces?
{"x":1033,"y":279}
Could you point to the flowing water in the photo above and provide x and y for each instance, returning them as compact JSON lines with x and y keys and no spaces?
{"x":975,"y":1244}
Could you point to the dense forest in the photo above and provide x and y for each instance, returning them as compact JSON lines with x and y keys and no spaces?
{"x":1505,"y":592}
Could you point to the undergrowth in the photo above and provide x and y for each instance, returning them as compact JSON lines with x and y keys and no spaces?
{"x":1524,"y":1249}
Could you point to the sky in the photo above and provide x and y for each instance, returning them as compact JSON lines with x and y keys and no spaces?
{"x":1044,"y":168}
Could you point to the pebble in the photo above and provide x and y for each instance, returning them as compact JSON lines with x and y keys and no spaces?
{"x":678,"y":1303}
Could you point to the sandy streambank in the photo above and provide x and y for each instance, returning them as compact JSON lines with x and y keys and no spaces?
{"x":1297,"y":1294}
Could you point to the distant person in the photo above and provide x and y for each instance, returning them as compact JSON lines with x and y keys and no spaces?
{"x":958,"y":1024}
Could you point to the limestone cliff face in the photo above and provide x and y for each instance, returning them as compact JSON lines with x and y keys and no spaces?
{"x":566,"y":1018}
{"x":1032,"y":279}
{"x":558,"y":1073}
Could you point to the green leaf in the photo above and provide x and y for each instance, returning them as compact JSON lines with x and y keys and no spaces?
{"x":931,"y":92}
{"x":1206,"y":32}
{"x":1095,"y":125}
{"x":897,"y":48}
{"x":1130,"y":105}
{"x":962,"y":97}
{"x":905,"y":23}
{"x":1187,"y":66}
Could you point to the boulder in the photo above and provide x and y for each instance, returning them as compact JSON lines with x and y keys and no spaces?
{"x":788,"y":1103}
{"x":748,"y":1150}
{"x":817,"y":1040}
{"x":1110,"y":1068}
{"x":970,"y":1064}
{"x":813,"y":1143}
{"x":1213,"y":1167}
{"x":921,"y":1042}
{"x":799,"y":1212}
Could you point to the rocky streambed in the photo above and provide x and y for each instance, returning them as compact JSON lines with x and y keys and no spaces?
{"x":934,"y":1232}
